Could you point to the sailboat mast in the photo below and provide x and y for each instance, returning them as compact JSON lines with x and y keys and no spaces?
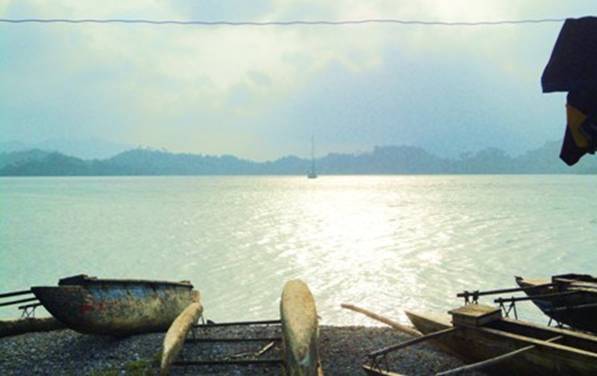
{"x":312,"y":154}
{"x":312,"y":174}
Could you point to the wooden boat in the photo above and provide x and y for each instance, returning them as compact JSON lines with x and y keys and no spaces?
{"x":300,"y":330}
{"x":116,"y":307}
{"x":177,"y":333}
{"x":569,"y":299}
{"x":503,"y":346}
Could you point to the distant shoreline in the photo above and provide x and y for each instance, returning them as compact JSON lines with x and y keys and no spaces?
{"x":297,"y":175}
{"x":386,"y":160}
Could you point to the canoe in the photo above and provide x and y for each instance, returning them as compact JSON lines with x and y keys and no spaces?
{"x":29,"y":324}
{"x":117,"y":307}
{"x":177,"y":333}
{"x":300,"y":330}
{"x":577,"y":307}
{"x":549,"y":351}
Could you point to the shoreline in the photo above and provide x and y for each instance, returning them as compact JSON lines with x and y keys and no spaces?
{"x":343,"y":350}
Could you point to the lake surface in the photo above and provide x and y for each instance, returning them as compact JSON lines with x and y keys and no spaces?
{"x":387,"y":243}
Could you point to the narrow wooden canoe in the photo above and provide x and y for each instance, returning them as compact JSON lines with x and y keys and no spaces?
{"x":177,"y":333}
{"x":27,"y":325}
{"x":116,"y":307}
{"x":555,"y":351}
{"x":578,"y":310}
{"x":300,"y":330}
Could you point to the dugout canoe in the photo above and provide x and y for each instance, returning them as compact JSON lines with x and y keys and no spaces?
{"x":534,"y":349}
{"x":570,"y":299}
{"x":177,"y":333}
{"x":117,"y":307}
{"x":300,"y":330}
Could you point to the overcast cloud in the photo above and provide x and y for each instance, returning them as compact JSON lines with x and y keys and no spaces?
{"x":261,"y":92}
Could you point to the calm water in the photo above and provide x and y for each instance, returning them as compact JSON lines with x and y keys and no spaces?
{"x":386,"y":243}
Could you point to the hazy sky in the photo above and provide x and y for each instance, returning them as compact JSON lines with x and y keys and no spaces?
{"x":261,"y":92}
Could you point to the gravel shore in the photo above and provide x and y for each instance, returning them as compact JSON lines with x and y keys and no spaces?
{"x":342,"y":351}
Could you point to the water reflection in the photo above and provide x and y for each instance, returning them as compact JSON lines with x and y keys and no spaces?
{"x":386,"y":243}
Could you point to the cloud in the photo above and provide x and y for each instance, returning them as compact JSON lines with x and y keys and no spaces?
{"x":191,"y":88}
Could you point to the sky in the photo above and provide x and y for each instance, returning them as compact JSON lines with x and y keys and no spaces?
{"x":261,"y":93}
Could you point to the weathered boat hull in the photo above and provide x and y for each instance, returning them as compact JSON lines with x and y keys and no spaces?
{"x":558,"y":357}
{"x":560,"y":308}
{"x":300,"y":330}
{"x":177,"y":333}
{"x":116,"y":307}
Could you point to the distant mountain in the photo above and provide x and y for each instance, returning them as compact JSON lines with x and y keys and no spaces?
{"x":157,"y":162}
{"x":91,"y":148}
{"x":19,"y":157}
{"x":382,"y":160}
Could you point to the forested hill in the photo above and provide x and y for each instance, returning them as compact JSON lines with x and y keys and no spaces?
{"x":382,"y":160}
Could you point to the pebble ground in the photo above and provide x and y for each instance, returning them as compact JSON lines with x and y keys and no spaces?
{"x":342,"y":350}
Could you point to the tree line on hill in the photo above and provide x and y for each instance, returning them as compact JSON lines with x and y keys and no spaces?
{"x":381,"y":160}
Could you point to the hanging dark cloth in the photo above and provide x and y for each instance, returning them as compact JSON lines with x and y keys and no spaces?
{"x":572,"y":67}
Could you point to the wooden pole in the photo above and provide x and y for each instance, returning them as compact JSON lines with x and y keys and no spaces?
{"x":485,"y":363}
{"x":502,"y":291}
{"x":492,"y":361}
{"x":20,"y":326}
{"x":402,"y":328}
{"x":411,"y":342}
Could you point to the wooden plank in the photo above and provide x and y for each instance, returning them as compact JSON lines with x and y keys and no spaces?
{"x":537,"y":296}
{"x":385,"y":320}
{"x":475,"y":315}
{"x":484,"y":363}
{"x":175,"y":337}
{"x":492,"y":361}
{"x":530,"y":329}
{"x":374,"y":371}
{"x":27,"y":325}
{"x":572,"y":308}
{"x":300,"y":330}
{"x":18,"y":301}
{"x":478,"y":344}
{"x":231,"y":340}
{"x":237,"y":323}
{"x":465,"y":294}
{"x":29,"y":305}
{"x":545,"y":344}
{"x":410,"y":342}
{"x":15,"y":293}
{"x":223,"y":362}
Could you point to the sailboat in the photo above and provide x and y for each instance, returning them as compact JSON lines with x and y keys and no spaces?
{"x":312,"y":174}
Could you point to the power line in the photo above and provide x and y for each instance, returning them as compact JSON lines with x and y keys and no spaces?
{"x":276,"y":23}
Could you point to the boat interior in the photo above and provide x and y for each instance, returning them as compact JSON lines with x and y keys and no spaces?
{"x":554,"y":335}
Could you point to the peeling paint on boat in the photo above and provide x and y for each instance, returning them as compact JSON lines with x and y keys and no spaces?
{"x":116,"y":307}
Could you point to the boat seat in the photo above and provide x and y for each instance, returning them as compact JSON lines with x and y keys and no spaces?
{"x":475,"y":315}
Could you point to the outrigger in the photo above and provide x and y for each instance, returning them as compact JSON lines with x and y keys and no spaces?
{"x":296,"y":337}
{"x":480,"y":336}
{"x":27,"y":303}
